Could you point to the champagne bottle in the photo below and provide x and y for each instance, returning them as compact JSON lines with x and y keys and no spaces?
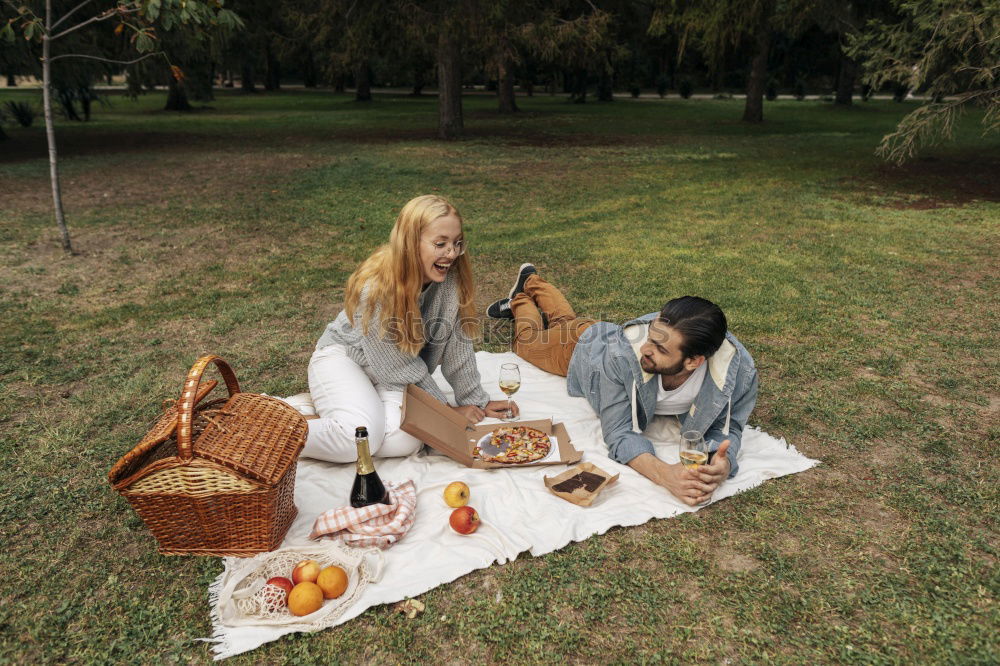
{"x":368,"y":487}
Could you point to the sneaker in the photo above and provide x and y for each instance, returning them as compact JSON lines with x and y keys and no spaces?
{"x":500,"y":309}
{"x":523,"y":273}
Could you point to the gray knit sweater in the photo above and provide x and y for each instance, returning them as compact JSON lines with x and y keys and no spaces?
{"x":445,"y":345}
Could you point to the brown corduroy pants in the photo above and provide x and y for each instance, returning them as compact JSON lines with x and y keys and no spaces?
{"x":548,"y":348}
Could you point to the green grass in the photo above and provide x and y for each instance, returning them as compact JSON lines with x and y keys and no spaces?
{"x":867,"y":294}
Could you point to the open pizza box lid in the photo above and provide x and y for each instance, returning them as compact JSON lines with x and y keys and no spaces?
{"x":437,"y":425}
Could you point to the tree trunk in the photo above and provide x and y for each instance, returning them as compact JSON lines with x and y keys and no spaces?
{"x":272,"y":75}
{"x":449,"y":63}
{"x":604,"y":90}
{"x":310,"y":78}
{"x":419,"y":77}
{"x":505,"y":88}
{"x":363,"y":82}
{"x":67,"y":101}
{"x":210,"y":88}
{"x":177,"y":99}
{"x":578,"y":91}
{"x":246,"y":76}
{"x":85,"y":102}
{"x":753,"y":112}
{"x":11,"y":81}
{"x":845,"y":82}
{"x":50,"y":132}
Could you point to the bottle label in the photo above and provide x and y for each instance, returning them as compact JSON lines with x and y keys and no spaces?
{"x":365,"y":464}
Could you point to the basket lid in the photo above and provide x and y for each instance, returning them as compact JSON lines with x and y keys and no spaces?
{"x":257,"y":436}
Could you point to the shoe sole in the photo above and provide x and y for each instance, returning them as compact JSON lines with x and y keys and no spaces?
{"x":510,"y":294}
{"x":505,"y":314}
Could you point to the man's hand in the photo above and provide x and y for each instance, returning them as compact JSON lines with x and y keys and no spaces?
{"x":498,"y":409}
{"x":682,"y":482}
{"x":713,"y":475}
{"x":471,"y":413}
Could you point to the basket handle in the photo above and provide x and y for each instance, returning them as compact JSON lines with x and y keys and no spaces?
{"x":187,"y":401}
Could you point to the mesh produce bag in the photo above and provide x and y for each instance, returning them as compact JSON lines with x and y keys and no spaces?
{"x":241,"y":597}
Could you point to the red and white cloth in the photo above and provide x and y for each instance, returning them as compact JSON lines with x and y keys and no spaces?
{"x":378,"y":525}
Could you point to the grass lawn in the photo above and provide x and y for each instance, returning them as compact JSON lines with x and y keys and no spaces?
{"x":866,"y":293}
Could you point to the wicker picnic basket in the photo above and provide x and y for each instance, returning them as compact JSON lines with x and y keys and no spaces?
{"x":218,"y":478}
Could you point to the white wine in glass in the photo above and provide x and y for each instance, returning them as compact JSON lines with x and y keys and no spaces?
{"x":510,"y":382}
{"x":693,"y":449}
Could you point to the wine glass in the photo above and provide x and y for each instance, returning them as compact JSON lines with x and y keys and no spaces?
{"x":510,"y":381}
{"x":694,"y":451}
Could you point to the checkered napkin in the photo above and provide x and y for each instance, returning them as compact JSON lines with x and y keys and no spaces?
{"x":378,"y":525}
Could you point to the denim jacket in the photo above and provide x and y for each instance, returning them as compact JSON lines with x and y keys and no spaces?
{"x":605,"y":369}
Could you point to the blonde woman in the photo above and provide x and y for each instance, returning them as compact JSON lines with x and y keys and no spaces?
{"x":407,"y":310}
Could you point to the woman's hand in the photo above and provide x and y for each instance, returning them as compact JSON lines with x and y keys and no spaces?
{"x":498,"y":409}
{"x":471,"y":413}
{"x":494,"y":408}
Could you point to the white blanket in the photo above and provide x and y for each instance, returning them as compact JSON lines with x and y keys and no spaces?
{"x":503,"y":498}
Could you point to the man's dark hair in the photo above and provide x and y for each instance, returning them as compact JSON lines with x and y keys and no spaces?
{"x":700,"y":322}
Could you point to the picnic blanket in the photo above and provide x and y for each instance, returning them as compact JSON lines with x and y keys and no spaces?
{"x":518,"y":512}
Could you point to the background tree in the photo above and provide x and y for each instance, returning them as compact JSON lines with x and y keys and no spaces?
{"x":188,"y":68}
{"x":451,"y":18}
{"x":577,"y":38}
{"x":841,"y":21}
{"x":52,"y":22}
{"x":507,"y":37}
{"x":446,"y":24}
{"x":500,"y":46}
{"x":16,"y":60}
{"x":345,"y":37}
{"x":719,"y":27}
{"x":947,"y":49}
{"x":252,"y":51}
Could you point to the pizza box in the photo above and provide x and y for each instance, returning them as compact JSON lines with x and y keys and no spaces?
{"x":437,"y":425}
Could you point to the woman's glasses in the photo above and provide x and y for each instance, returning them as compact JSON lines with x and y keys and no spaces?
{"x":443,"y":247}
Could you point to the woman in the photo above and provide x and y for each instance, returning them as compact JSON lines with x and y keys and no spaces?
{"x":407,"y":309}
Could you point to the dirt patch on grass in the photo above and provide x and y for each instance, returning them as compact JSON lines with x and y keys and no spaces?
{"x":936,"y":400}
{"x":729,"y":560}
{"x":227,"y":177}
{"x":929,"y":183}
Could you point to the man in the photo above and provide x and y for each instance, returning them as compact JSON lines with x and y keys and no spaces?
{"x":680,"y":363}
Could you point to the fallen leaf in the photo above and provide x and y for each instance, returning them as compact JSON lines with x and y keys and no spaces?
{"x":410,"y":607}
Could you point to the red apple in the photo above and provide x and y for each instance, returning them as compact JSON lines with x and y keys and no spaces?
{"x":306,"y":571}
{"x":284,"y":584}
{"x":464,"y":520}
{"x":281,"y":582}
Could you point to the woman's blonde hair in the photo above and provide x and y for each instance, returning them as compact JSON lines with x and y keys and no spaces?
{"x":394,"y":277}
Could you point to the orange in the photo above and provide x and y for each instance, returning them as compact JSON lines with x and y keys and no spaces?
{"x":333,"y":582}
{"x":305,"y":598}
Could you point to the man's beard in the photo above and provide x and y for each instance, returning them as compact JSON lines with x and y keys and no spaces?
{"x":672,"y":371}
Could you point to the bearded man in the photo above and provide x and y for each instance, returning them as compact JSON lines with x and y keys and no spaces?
{"x":680,"y":363}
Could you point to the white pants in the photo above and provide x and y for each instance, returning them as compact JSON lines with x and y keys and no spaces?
{"x":345,"y":397}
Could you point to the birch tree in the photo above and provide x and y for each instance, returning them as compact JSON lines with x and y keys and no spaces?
{"x":49,"y":25}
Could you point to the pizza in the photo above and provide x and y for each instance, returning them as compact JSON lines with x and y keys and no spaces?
{"x":517,"y":444}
